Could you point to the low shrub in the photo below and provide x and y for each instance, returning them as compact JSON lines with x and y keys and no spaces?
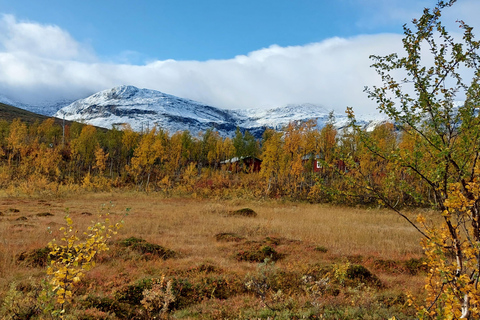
{"x":35,"y":258}
{"x":103,"y":307}
{"x":357,"y":273}
{"x":414,"y":266}
{"x":133,"y":293}
{"x":147,"y":249}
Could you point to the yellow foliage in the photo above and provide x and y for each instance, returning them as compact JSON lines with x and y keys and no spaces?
{"x":101,"y":158}
{"x":73,"y":256}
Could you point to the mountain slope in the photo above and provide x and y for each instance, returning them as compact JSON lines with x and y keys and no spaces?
{"x":9,"y":113}
{"x":46,"y":108}
{"x":143,"y":108}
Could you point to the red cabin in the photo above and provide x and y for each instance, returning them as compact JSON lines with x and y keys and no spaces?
{"x":246,"y":164}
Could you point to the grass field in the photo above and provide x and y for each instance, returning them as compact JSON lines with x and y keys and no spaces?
{"x":331,"y":262}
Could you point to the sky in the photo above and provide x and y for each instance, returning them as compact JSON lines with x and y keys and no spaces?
{"x":227,"y":53}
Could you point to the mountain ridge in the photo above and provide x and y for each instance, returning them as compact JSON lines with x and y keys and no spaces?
{"x":144,"y":108}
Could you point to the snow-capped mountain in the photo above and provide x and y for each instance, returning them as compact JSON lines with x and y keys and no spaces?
{"x":143,"y":109}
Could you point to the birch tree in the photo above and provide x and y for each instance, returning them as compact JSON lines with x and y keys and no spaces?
{"x":439,"y":71}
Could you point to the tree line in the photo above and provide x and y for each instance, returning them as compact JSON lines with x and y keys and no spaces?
{"x":299,"y":162}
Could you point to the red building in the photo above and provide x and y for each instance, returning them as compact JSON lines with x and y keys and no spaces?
{"x":317,"y":163}
{"x":245,"y":164}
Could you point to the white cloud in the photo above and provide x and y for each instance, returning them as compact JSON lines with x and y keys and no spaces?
{"x":43,"y":62}
{"x":40,"y":40}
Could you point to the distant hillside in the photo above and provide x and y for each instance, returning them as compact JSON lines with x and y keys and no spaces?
{"x":11,"y":113}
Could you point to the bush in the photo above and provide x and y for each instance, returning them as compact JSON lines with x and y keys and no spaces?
{"x":133,"y":294}
{"x":358,"y":273}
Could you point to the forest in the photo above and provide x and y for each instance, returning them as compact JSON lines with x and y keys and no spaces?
{"x":300,"y":162}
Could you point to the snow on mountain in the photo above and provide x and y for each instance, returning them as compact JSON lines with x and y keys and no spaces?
{"x":46,"y":108}
{"x":280,"y":117}
{"x":143,"y":109}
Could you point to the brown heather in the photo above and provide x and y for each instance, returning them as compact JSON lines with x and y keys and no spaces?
{"x":189,"y":227}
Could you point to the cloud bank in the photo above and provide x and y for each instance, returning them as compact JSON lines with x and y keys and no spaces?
{"x":41,"y":63}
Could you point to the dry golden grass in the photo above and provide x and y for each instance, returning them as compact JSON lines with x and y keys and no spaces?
{"x":189,"y":226}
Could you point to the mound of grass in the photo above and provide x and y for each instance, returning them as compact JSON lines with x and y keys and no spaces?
{"x":321,"y":249}
{"x":356,"y":273}
{"x":98,"y":307}
{"x":44,"y":214}
{"x":35,"y":258}
{"x":245,"y":212}
{"x":256,"y":252}
{"x":22,"y":218}
{"x":147,"y":249}
{"x":414,"y":266}
{"x":228,"y":237}
{"x":13,"y":210}
{"x":411,"y":266}
{"x":390,"y":266}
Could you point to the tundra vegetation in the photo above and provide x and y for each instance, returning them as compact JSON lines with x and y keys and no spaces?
{"x":308,"y":236}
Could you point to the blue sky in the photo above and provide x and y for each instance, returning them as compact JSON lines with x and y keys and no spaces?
{"x":229,"y":53}
{"x":196,"y":29}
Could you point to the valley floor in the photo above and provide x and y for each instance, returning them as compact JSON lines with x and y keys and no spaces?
{"x":235,"y":259}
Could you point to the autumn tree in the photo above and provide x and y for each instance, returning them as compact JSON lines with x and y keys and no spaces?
{"x":17,"y":141}
{"x":245,"y":144}
{"x":328,"y":140}
{"x":113,"y":145}
{"x":148,"y":156}
{"x":439,"y":71}
{"x":84,"y":146}
{"x":129,"y":142}
{"x":272,"y":160}
{"x":4,"y":128}
{"x":49,"y":133}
